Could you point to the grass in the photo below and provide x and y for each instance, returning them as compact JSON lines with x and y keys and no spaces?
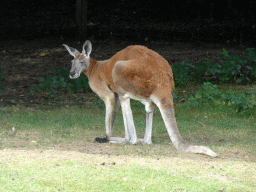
{"x":51,"y":170}
{"x":53,"y":149}
{"x":47,"y":127}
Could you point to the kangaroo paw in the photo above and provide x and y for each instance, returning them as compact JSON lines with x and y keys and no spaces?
{"x":101,"y":140}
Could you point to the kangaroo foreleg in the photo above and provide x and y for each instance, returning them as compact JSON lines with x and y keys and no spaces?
{"x":112,"y":104}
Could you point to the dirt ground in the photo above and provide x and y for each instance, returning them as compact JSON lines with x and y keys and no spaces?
{"x":109,"y":150}
{"x":26,"y":61}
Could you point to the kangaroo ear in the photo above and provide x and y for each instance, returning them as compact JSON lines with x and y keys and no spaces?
{"x":87,"y":48}
{"x":71,"y":50}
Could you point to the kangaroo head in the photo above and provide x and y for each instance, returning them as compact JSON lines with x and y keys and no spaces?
{"x":81,"y":61}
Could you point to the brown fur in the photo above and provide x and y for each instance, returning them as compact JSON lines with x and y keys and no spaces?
{"x":139,"y":73}
{"x":147,"y":70}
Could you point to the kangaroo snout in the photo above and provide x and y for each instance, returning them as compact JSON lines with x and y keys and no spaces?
{"x":73,"y":75}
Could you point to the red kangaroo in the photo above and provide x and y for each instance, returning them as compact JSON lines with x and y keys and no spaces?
{"x":139,"y":73}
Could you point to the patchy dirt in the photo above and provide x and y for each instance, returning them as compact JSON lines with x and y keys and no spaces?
{"x":156,"y":151}
{"x":33,"y":140}
{"x":151,"y":150}
{"x":25,"y":61}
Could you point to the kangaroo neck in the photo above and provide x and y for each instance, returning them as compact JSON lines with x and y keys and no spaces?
{"x":93,"y":66}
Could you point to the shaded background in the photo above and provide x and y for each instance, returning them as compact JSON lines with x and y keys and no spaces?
{"x":186,"y":20}
{"x":34,"y":66}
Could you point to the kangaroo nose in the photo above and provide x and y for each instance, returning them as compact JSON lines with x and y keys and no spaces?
{"x":72,"y":74}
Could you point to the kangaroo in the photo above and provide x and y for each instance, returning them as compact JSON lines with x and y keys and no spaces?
{"x":135,"y":72}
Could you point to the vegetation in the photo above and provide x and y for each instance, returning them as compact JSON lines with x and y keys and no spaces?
{"x":233,"y":69}
{"x":59,"y":82}
{"x":210,"y":94}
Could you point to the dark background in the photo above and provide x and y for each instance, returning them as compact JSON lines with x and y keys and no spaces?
{"x":184,"y":20}
{"x":32,"y":33}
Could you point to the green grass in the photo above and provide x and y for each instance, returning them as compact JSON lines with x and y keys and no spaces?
{"x":54,"y":150}
{"x":207,"y":126}
{"x":51,"y":170}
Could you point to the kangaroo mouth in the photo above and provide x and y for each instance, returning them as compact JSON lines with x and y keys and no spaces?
{"x":74,"y":75}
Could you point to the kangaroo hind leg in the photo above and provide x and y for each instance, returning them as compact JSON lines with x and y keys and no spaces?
{"x":130,"y":132}
{"x":149,"y":107}
{"x":165,"y":106}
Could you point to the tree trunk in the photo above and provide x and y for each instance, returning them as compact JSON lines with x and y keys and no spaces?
{"x":81,"y":18}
